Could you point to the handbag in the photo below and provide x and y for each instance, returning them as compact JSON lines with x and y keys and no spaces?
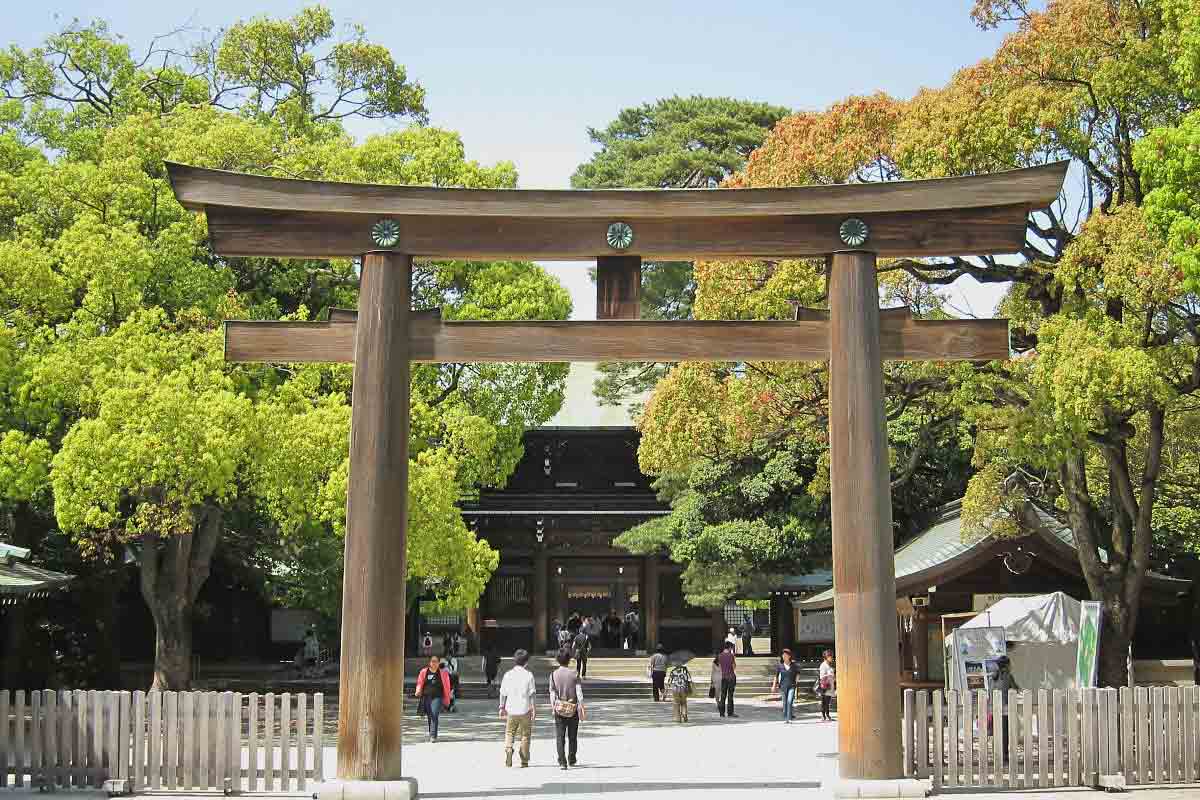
{"x":563,"y":708}
{"x":712,"y":691}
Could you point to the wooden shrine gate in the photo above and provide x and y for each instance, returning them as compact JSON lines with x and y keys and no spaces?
{"x":850,"y":224}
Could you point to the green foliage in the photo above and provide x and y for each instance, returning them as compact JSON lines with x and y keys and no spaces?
{"x":739,"y":524}
{"x":113,"y":390}
{"x":1167,"y":159}
{"x":676,"y":142}
{"x":682,"y":142}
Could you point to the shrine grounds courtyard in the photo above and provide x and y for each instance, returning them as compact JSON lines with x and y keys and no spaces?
{"x":631,"y":748}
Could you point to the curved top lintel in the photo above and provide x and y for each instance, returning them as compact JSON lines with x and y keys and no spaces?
{"x":1034,"y":187}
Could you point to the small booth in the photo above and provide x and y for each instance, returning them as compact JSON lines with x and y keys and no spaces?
{"x":1042,"y":637}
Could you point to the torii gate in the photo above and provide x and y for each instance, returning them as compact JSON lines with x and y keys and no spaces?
{"x":851,"y":224}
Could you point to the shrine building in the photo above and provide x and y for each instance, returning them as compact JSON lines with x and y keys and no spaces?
{"x":576,"y":488}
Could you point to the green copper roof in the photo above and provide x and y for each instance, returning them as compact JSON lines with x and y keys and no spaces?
{"x":21,"y":581}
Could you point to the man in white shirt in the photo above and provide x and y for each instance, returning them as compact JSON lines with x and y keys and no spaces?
{"x":517,"y":691}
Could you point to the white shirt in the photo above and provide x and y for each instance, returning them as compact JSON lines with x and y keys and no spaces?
{"x":826,"y":670}
{"x":517,"y":691}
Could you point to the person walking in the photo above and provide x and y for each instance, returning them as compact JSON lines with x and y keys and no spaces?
{"x":433,"y":693}
{"x":826,"y":684}
{"x":517,"y":707}
{"x":658,"y":672}
{"x":748,"y":636}
{"x":583,"y":646}
{"x":680,"y":684}
{"x":566,"y":703}
{"x":785,"y":683}
{"x":491,"y":666}
{"x":450,"y":665}
{"x":714,"y":687}
{"x":728,"y":663}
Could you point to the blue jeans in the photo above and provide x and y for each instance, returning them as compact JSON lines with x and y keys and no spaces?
{"x":435,"y":711}
{"x":789,"y":697}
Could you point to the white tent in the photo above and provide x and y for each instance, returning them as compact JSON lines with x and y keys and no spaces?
{"x":1042,"y":634}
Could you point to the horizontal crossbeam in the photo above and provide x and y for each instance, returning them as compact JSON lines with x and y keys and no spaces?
{"x":433,"y":340}
{"x":306,"y":234}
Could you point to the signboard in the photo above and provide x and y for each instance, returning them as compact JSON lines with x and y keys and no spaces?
{"x":1087,"y":656}
{"x":976,"y":651}
{"x":814,"y":628}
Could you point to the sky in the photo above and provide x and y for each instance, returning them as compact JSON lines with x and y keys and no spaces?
{"x":523,"y":81}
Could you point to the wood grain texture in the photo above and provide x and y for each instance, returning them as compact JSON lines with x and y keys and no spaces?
{"x":305,"y":234}
{"x":1034,"y":187}
{"x":371,"y":684}
{"x":433,"y":340}
{"x":619,"y":287}
{"x":864,"y":581}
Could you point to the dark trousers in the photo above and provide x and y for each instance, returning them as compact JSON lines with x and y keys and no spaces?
{"x":826,"y":699}
{"x":747,"y":646}
{"x":725,"y":701}
{"x":431,"y":719}
{"x":658,"y":679}
{"x":581,"y":664}
{"x":566,"y":728}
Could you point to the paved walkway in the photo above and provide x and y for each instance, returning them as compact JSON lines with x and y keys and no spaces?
{"x":632,"y":748}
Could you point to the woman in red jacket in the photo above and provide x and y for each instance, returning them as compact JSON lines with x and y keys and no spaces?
{"x":433,"y":689}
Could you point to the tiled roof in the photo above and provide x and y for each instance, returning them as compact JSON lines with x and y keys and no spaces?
{"x":944,"y":542}
{"x":21,"y":581}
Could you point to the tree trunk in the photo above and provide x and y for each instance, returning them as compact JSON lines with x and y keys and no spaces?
{"x":173,"y":648}
{"x":1116,"y":634}
{"x":173,"y":569}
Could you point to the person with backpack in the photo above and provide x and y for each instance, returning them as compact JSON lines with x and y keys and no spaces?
{"x":583,"y":646}
{"x":658,"y":672}
{"x":566,"y":703}
{"x":679,"y":682}
{"x":565,"y":637}
{"x":433,"y":693}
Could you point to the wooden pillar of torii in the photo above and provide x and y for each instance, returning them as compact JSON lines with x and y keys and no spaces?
{"x":390,"y":225}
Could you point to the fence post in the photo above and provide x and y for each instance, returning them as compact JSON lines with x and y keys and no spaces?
{"x":252,"y":745}
{"x":952,"y":737}
{"x":302,"y":739}
{"x":939,"y":740}
{"x":1103,"y":765}
{"x":50,"y":774}
{"x":319,"y":737}
{"x":1189,"y":733}
{"x":269,"y":743}
{"x":997,"y":717}
{"x":1156,"y":722}
{"x":922,"y":734}
{"x":285,"y":741}
{"x":907,"y":735}
{"x":5,"y":738}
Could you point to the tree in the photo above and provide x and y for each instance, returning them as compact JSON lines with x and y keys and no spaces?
{"x":742,"y":450}
{"x":1104,"y":324}
{"x":111,"y":300}
{"x":675,"y":142}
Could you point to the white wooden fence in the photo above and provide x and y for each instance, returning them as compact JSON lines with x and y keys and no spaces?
{"x":1146,"y":735}
{"x":161,"y":740}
